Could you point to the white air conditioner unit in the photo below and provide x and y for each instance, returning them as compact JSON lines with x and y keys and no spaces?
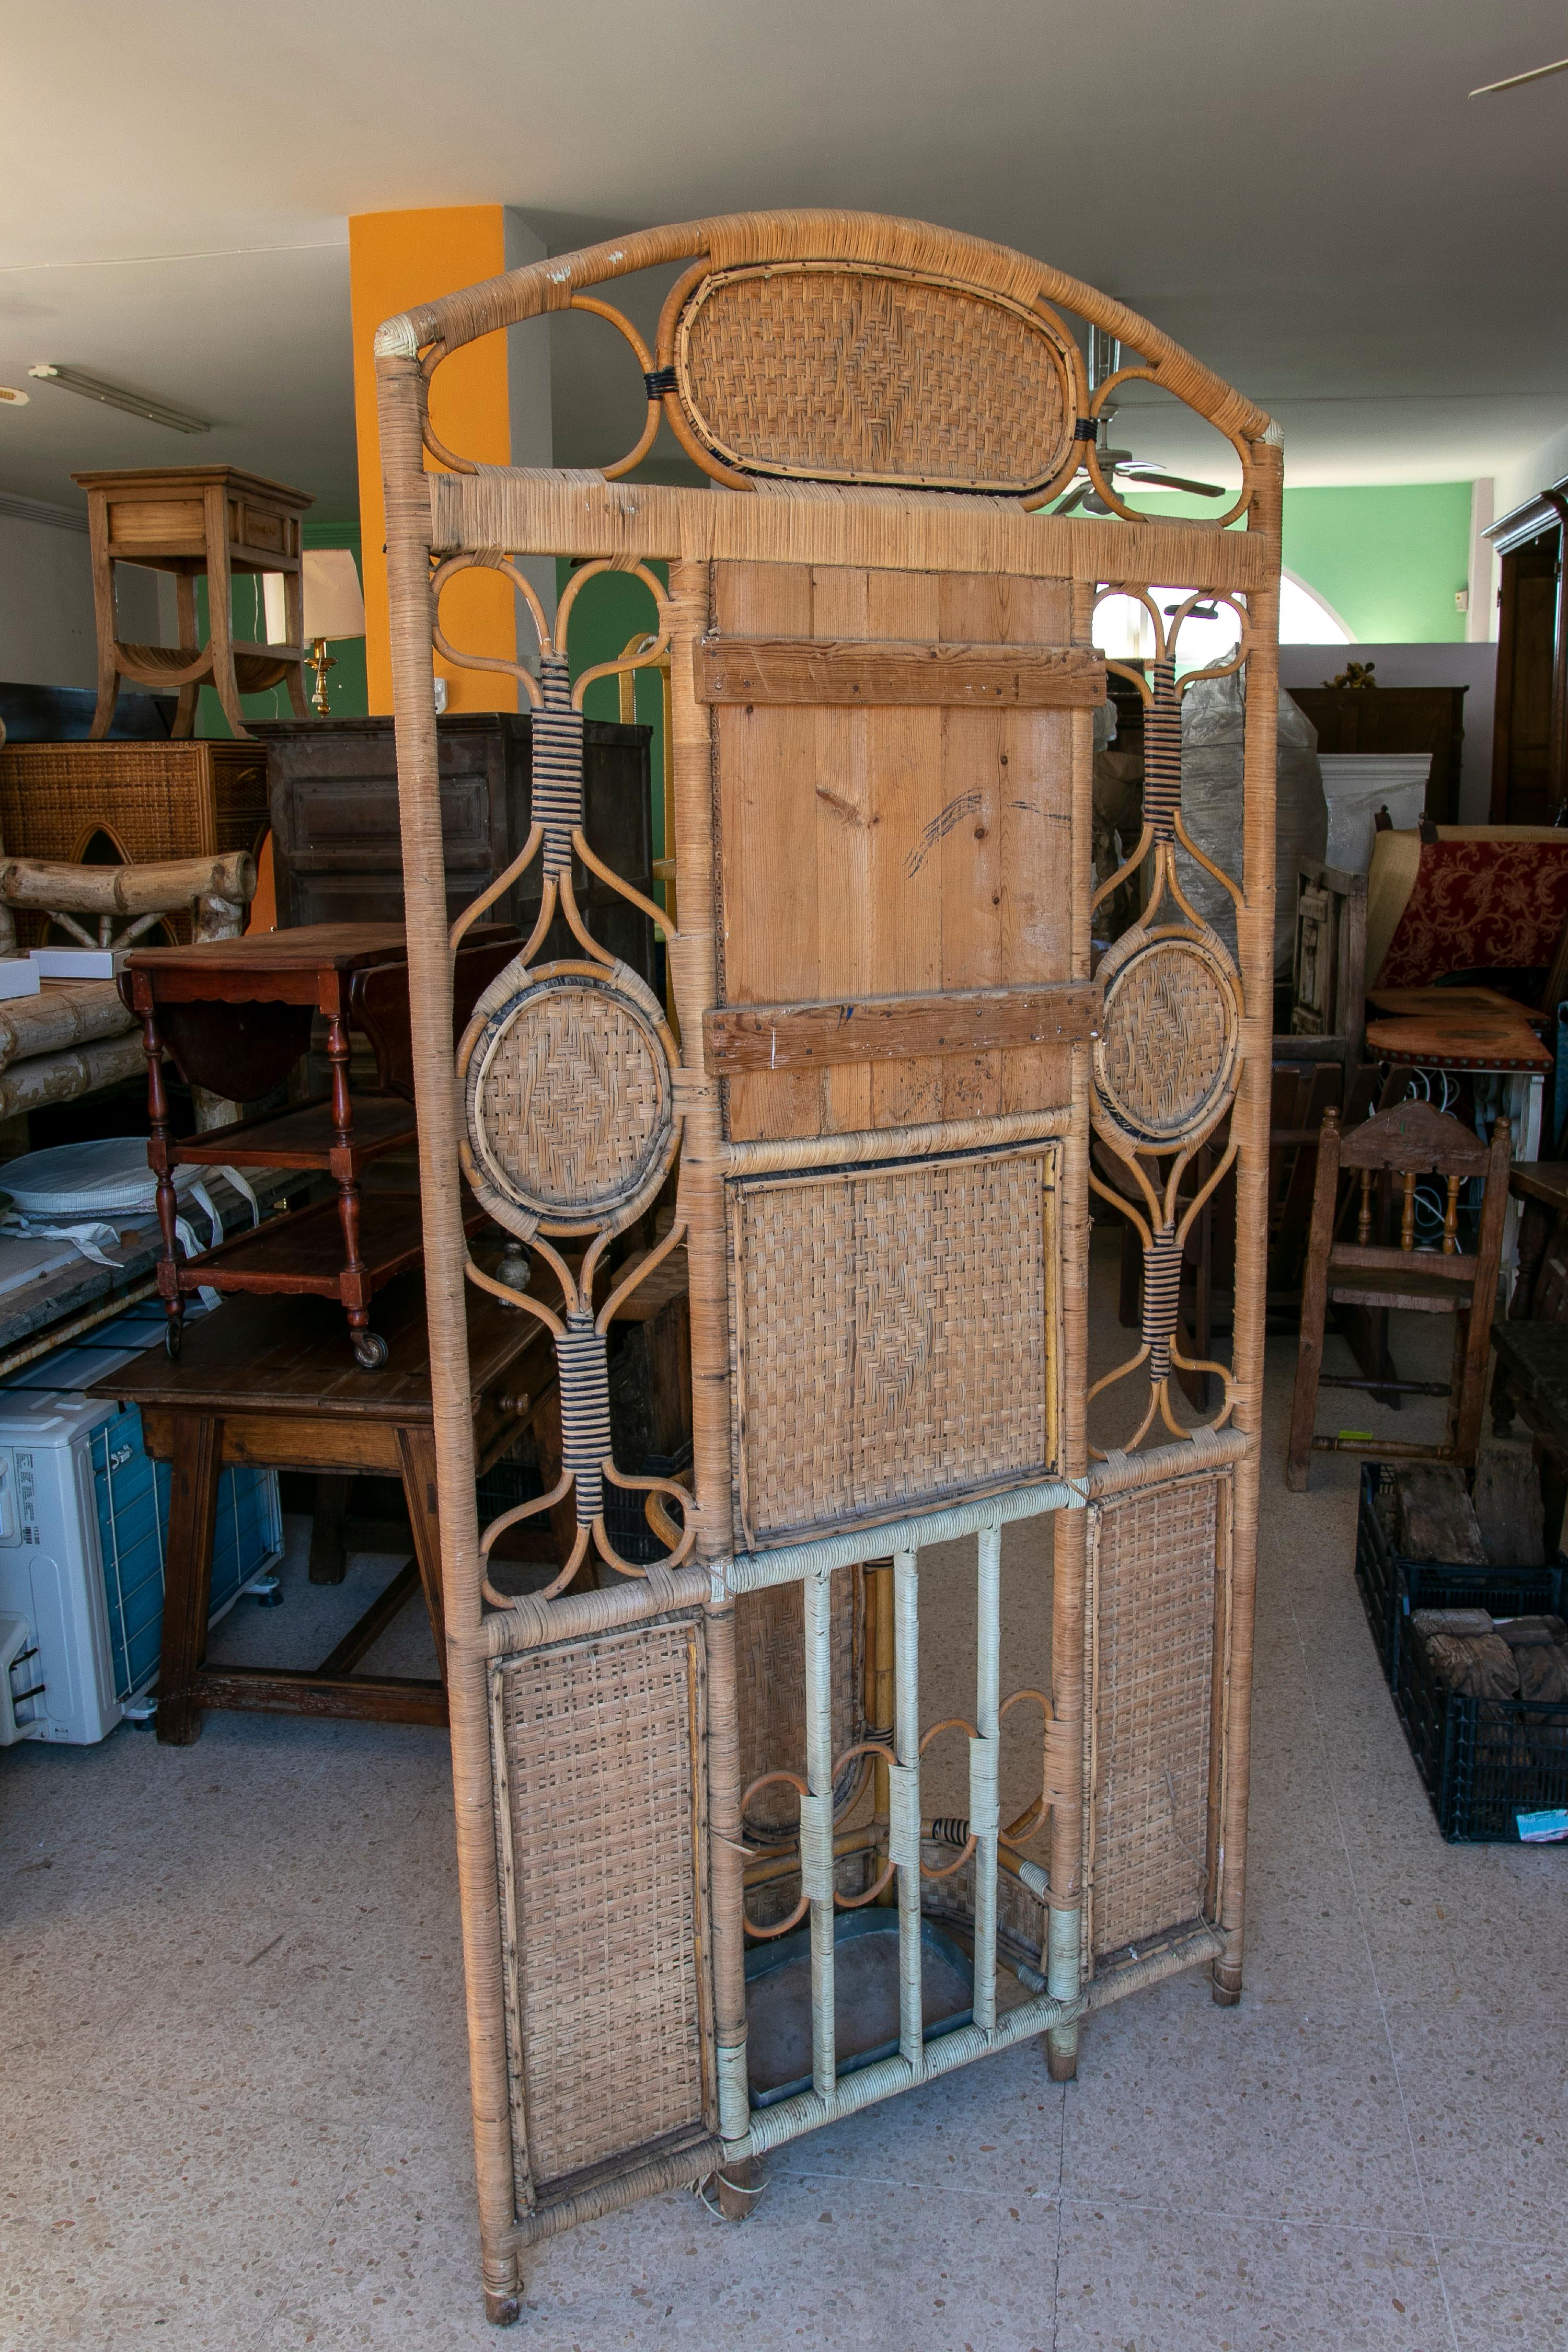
{"x":84,"y":1516}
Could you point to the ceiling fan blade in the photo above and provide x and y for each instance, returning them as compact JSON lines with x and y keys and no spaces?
{"x":1158,"y":478}
{"x":1074,"y":498}
{"x":1516,"y":82}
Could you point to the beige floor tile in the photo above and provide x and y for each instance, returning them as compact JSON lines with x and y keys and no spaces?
{"x":1252,"y":2110}
{"x":1142,"y":2278}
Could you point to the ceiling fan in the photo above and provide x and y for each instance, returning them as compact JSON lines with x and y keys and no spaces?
{"x":1104,"y":359}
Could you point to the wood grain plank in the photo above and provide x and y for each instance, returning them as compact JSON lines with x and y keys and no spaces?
{"x":950,"y":673}
{"x":1035,"y":825}
{"x":971,"y":1024}
{"x":844,"y":816}
{"x":907,"y":816}
{"x":766,"y":774}
{"x":971,"y":850}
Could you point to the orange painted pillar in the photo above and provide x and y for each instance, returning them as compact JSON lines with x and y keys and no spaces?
{"x":395,"y":260}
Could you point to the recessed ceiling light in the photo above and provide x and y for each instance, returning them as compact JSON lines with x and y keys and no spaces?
{"x":115,"y":395}
{"x":12,"y":397}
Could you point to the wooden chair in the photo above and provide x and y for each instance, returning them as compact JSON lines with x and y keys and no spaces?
{"x":1408,"y":1141}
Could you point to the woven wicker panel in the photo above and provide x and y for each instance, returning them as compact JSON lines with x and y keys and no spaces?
{"x":893,"y":1337}
{"x":154,"y":800}
{"x":600,"y":1808}
{"x":569,"y":1104}
{"x":1149,"y":1664}
{"x":769,"y":1691}
{"x":1166,"y":1056}
{"x":844,"y":373}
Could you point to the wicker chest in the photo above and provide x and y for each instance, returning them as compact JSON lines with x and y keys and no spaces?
{"x":152,"y":800}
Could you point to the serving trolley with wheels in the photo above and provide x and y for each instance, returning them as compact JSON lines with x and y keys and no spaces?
{"x":237,"y":1016}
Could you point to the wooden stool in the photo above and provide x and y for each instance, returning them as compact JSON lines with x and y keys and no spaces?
{"x":263,"y":1381}
{"x":194,"y":519}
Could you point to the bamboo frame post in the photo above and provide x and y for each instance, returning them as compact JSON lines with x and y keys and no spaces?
{"x":1249,"y":1128}
{"x":1068,"y":1734}
{"x":694,"y":965}
{"x":430,"y":1015}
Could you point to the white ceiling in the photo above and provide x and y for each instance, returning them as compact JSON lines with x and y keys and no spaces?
{"x":1297,"y":189}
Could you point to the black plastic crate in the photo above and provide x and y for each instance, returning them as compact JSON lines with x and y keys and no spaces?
{"x":1391,"y":1586}
{"x":1484,"y":1760}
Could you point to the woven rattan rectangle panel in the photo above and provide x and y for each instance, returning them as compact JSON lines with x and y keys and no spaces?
{"x":600,"y":1819}
{"x":893,"y":1336}
{"x":1158,"y":1580}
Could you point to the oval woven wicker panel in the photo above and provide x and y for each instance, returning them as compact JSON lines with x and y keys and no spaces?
{"x":570,"y":1103}
{"x":1169,"y":1038}
{"x":843,"y":374}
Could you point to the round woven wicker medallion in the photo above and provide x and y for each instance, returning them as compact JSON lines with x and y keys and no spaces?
{"x":569,"y":1102}
{"x":1166,"y":1056}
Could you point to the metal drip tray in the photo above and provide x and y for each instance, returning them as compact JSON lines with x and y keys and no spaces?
{"x":866,"y":1999}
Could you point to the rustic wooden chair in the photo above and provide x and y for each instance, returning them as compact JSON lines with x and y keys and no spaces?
{"x":1408,"y":1142}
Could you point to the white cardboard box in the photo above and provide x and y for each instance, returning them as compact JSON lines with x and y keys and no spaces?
{"x":80,"y":963}
{"x":19,"y":976}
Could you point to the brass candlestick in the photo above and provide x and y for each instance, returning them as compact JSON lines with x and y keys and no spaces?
{"x":320,"y":662}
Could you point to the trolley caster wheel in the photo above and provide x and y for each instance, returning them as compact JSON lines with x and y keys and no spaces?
{"x":175,"y":1339}
{"x":370,"y":1350}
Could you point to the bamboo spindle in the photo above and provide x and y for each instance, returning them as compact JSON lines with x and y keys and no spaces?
{"x":1407,"y":1211}
{"x":1363,"y":1219}
{"x":904,"y":1784}
{"x":817,"y":1821}
{"x":984,"y":1777}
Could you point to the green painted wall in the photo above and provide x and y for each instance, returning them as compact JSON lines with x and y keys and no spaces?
{"x":345,"y":684}
{"x":610,"y":610}
{"x":1388,"y":559}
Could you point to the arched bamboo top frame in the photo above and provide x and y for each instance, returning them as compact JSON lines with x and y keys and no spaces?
{"x":740,"y":240}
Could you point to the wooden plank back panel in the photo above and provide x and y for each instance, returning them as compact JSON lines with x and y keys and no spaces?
{"x":891,"y":850}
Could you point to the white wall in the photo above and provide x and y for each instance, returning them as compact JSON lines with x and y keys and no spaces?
{"x":1471,"y":666}
{"x":45,"y":597}
{"x":1546,"y":464}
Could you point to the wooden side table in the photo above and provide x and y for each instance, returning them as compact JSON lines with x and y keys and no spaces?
{"x":192,"y":520}
{"x":264,"y":1382}
{"x":237,"y":1016}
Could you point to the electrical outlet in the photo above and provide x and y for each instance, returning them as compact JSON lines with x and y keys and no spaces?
{"x":1461,"y":599}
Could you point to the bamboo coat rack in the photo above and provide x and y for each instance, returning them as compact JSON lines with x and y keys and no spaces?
{"x":875,"y":1133}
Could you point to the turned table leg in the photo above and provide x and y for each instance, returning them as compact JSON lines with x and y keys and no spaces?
{"x":416,"y":1452}
{"x":160,"y":1155}
{"x":195,"y":1467}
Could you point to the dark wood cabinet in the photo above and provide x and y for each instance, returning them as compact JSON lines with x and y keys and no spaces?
{"x":1529,"y":732}
{"x":1396,"y":718}
{"x":338,"y":857}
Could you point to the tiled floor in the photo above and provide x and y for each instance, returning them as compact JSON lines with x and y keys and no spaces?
{"x":236,"y":2100}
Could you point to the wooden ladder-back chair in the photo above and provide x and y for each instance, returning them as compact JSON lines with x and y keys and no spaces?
{"x":873,"y":1131}
{"x":1409,"y":1142}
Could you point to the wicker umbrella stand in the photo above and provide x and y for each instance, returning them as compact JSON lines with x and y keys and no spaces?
{"x":725,"y":1878}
